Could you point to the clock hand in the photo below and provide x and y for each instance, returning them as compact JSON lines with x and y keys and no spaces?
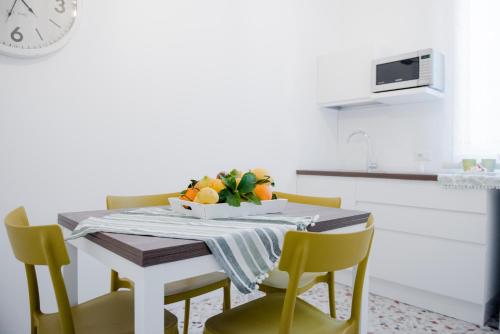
{"x":29,"y":8}
{"x":11,"y":9}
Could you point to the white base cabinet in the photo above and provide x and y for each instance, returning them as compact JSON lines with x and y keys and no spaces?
{"x":434,"y":248}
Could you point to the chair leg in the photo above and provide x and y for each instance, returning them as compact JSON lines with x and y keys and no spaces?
{"x":187,"y":306}
{"x":331,"y":294}
{"x":227,"y":298}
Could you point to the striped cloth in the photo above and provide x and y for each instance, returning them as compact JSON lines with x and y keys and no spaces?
{"x":246,"y":248}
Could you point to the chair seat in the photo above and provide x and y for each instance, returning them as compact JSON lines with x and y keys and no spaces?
{"x":263,"y":316}
{"x":194,"y":283}
{"x":109,"y":314}
{"x":279,"y":279}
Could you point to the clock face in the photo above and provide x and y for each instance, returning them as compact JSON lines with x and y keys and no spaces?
{"x":35,"y":27}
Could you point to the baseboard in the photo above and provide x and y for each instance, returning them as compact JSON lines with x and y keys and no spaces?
{"x":452,"y":307}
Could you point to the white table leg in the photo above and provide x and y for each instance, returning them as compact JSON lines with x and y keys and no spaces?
{"x":149,"y":306}
{"x":70,"y":273}
{"x":363,"y":326}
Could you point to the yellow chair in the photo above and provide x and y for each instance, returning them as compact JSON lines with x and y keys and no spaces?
{"x":126,"y":202}
{"x":332,"y":202}
{"x":283,"y":312}
{"x":44,"y":246}
{"x":179,"y":290}
{"x":278,"y":280}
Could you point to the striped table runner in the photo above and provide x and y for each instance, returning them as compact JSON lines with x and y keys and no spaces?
{"x":246,"y":248}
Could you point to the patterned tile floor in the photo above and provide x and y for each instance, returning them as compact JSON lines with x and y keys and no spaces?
{"x":385,"y":315}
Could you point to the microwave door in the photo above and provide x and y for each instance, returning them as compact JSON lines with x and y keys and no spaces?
{"x":397,"y":74}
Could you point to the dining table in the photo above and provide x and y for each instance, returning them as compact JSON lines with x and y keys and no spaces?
{"x":151,"y":262}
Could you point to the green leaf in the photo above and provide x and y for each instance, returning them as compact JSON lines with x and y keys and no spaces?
{"x":233,"y":199}
{"x":247,"y":183}
{"x":274,"y":196}
{"x":235,"y":173}
{"x":266,"y":180}
{"x":251,"y":197}
{"x":192,"y":183}
{"x":223,"y":195}
{"x":229,"y":182}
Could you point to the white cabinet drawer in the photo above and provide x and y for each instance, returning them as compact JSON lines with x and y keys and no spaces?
{"x":444,"y":267}
{"x":453,"y":225}
{"x":422,"y":194}
{"x":329,"y":187}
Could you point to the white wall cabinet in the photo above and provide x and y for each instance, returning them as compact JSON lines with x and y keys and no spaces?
{"x":434,"y":248}
{"x":344,"y":77}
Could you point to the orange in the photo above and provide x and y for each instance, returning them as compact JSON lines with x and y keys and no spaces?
{"x":263,"y":192}
{"x":190,"y":194}
{"x":217,"y":185}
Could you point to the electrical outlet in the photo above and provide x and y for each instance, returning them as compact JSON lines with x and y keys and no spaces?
{"x":423,"y":156}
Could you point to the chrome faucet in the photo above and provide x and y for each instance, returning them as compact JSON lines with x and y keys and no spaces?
{"x":370,"y":164}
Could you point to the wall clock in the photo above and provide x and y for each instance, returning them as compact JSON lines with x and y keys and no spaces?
{"x":32,"y":28}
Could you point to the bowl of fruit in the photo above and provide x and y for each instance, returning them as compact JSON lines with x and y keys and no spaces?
{"x":229,"y":194}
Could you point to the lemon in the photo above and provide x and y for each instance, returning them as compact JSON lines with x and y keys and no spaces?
{"x":260,"y":173}
{"x":217,"y":185}
{"x":204,"y":182}
{"x":207,"y":196}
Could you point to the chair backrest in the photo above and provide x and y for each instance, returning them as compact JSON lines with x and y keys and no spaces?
{"x":124,"y":202}
{"x":40,"y":245}
{"x":319,"y":252}
{"x":333,"y":202}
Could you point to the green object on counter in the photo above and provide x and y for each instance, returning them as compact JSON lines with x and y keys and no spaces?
{"x":489,"y":164}
{"x":468,"y":164}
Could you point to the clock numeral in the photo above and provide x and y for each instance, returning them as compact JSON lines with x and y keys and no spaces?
{"x":16,"y":35}
{"x":62,"y":6}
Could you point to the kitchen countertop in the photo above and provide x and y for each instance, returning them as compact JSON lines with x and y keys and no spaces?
{"x":374,"y":175}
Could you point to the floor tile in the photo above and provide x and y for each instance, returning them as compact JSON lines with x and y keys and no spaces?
{"x":386,"y":316}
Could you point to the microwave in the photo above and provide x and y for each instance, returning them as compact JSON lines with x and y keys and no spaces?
{"x":422,"y":68}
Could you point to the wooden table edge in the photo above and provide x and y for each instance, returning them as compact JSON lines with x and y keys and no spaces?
{"x":187,"y":251}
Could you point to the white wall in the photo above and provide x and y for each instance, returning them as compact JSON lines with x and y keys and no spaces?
{"x":146,"y":96}
{"x":398,"y":132}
